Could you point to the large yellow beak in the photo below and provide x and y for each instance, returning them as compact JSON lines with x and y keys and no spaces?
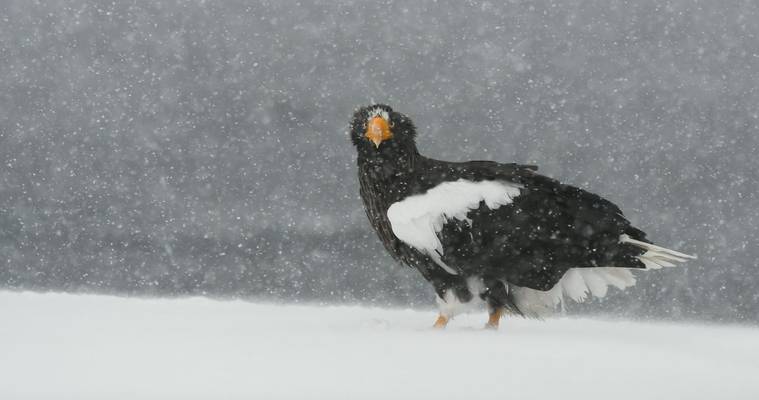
{"x":378,"y":131}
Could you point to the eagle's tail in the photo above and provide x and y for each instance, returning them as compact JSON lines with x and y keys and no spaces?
{"x":655,"y":256}
{"x":579,"y":283}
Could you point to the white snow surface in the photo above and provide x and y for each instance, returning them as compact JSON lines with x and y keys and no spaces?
{"x":61,"y":346}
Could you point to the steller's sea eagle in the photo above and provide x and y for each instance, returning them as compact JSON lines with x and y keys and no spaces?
{"x":485,"y":232}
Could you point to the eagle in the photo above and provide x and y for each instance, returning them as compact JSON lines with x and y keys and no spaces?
{"x":492,"y":235}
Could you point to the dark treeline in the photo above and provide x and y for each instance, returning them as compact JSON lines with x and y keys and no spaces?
{"x":185,"y":148}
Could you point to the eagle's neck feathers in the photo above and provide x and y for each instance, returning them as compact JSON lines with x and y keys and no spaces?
{"x":388,"y":178}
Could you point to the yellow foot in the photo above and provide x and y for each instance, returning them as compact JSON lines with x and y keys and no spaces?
{"x":494,"y":319}
{"x":441,"y":322}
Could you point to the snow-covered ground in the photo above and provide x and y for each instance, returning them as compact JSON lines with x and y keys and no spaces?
{"x":58,"y":346}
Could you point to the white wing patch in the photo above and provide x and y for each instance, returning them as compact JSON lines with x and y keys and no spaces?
{"x":416,"y":220}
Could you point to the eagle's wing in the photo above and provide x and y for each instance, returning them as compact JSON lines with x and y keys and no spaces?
{"x":507,"y":222}
{"x":447,"y":191}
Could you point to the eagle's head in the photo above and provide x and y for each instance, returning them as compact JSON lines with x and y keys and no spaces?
{"x":378,"y":130}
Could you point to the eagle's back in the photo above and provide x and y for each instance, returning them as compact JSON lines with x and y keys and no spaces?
{"x":547,"y":229}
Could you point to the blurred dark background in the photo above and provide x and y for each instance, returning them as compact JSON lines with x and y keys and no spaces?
{"x":200,"y":148}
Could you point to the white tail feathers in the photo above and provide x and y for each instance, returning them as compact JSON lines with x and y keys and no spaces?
{"x":655,"y":256}
{"x":580,"y":283}
{"x":577,"y":283}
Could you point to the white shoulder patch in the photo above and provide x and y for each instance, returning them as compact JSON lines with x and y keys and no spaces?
{"x":417,"y":219}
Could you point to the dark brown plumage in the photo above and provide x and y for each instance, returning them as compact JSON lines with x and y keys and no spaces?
{"x":481,"y":230}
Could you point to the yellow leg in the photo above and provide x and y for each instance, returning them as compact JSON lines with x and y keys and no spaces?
{"x":441,"y":322}
{"x":494,"y":319}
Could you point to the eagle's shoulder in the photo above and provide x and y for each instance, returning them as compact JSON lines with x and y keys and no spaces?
{"x":447,"y":191}
{"x":433,"y":172}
